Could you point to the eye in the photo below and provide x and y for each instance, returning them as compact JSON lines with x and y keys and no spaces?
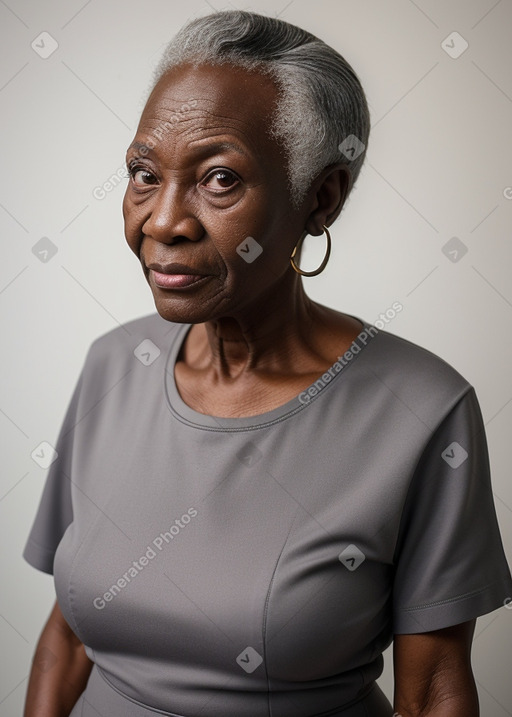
{"x":220,"y":180}
{"x":140,"y":175}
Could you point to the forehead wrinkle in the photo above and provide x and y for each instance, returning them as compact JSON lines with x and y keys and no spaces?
{"x":209,"y":112}
{"x":216,"y":146}
{"x":193,"y":115}
{"x":188,"y":128}
{"x":203,"y":133}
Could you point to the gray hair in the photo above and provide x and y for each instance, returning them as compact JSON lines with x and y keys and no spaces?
{"x":322,"y":116}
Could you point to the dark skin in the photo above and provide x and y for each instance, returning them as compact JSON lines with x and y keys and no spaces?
{"x":257,"y":339}
{"x":214,"y":178}
{"x":433,"y":675}
{"x":60,"y":670}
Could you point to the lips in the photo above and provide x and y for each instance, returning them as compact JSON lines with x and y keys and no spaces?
{"x":174,"y":276}
{"x":175,"y":269}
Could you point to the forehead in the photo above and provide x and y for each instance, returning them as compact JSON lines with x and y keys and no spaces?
{"x":205,"y":99}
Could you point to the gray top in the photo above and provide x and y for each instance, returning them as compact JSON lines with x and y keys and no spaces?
{"x":254,"y":566}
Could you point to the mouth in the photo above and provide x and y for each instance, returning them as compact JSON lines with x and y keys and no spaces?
{"x":174,"y":276}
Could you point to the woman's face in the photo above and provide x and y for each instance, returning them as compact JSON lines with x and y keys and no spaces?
{"x":208,"y":193}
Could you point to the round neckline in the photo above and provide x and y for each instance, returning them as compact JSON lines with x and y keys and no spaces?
{"x":183,"y":412}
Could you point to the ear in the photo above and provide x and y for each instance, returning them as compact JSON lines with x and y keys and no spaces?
{"x":328,"y":194}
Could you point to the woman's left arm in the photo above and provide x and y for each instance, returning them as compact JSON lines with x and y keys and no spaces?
{"x":433,"y":675}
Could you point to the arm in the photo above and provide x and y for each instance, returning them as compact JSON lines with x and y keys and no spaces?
{"x":433,"y":676}
{"x":60,"y":670}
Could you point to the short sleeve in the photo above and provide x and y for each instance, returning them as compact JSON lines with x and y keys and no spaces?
{"x":450,"y":566}
{"x":55,"y":511}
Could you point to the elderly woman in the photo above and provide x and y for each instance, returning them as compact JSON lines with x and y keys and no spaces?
{"x":255,"y":494}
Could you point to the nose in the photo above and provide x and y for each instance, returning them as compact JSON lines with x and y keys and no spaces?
{"x":171,"y":218}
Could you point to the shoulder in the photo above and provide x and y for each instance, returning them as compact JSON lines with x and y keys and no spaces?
{"x":124,"y":348}
{"x":397,"y":355}
{"x":419,"y":378}
{"x":128,"y":336}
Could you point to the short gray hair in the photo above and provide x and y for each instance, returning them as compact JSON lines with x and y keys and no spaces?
{"x":322,"y":103}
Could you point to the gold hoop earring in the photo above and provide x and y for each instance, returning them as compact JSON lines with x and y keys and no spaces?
{"x":322,"y":265}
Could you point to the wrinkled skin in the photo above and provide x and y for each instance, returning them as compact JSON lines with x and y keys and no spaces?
{"x":215,"y":178}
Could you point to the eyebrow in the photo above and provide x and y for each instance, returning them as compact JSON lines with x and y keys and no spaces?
{"x":205,"y":149}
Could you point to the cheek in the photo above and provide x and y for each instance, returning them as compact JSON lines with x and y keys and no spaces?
{"x":274,"y":232}
{"x":131,"y":226}
{"x":259,"y":255}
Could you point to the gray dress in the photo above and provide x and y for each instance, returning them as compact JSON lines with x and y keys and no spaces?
{"x":254,"y":567}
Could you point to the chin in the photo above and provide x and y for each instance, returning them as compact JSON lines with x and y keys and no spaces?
{"x":187,"y":306}
{"x":182,"y":312}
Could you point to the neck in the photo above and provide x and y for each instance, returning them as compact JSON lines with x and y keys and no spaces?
{"x":263,"y":338}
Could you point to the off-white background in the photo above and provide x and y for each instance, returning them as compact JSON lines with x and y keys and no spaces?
{"x":439,"y":166}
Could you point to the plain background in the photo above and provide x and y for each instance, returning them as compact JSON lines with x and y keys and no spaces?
{"x":438,"y":167}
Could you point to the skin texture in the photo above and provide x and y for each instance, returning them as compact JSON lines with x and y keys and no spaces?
{"x":214,"y":178}
{"x":433,"y":676}
{"x":60,"y":670}
{"x":258,"y":340}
